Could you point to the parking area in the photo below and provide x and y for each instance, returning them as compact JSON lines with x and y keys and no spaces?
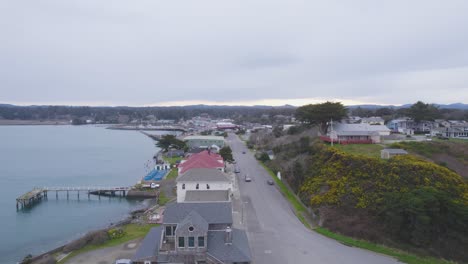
{"x":107,"y":255}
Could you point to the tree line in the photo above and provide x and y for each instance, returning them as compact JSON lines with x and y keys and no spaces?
{"x":111,"y":114}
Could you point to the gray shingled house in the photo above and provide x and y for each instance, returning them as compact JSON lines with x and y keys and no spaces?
{"x":195,"y":233}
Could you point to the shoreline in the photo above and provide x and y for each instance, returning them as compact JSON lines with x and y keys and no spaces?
{"x":6,"y":122}
{"x":134,"y":214}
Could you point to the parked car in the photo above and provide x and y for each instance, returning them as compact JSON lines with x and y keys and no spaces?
{"x":236,"y":170}
{"x":154,"y":185}
{"x":247,"y":178}
{"x":243,"y":152}
{"x":123,"y":261}
{"x":270,"y":182}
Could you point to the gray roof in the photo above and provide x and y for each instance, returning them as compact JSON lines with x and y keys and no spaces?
{"x":150,"y":245}
{"x":204,"y":138}
{"x":395,"y":151}
{"x":357,"y":133}
{"x":341,"y":127}
{"x":194,"y":219}
{"x":207,"y":196}
{"x":213,"y":213}
{"x":238,"y":251}
{"x":203,"y":175}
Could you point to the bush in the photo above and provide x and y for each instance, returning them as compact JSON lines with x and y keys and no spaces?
{"x":116,"y":233}
{"x":263,"y":157}
{"x":421,"y":204}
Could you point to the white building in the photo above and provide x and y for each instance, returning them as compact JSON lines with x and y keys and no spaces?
{"x":202,"y":180}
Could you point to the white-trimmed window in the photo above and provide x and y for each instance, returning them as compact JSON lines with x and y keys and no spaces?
{"x":181,"y":242}
{"x":191,"y":242}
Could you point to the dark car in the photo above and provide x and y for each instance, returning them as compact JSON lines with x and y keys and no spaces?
{"x":243,"y":152}
{"x":270,"y":182}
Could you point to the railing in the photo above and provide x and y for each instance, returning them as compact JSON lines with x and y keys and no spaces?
{"x":83,"y":188}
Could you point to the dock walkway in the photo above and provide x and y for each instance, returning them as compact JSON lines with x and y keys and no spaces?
{"x":37,"y":194}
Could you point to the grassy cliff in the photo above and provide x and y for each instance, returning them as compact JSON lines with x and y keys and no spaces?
{"x":405,"y":202}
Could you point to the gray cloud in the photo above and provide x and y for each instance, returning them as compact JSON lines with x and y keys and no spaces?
{"x":149,"y":52}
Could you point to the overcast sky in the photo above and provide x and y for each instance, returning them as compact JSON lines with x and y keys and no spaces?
{"x":151,"y":52}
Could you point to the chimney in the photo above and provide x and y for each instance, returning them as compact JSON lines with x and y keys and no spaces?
{"x":228,"y":236}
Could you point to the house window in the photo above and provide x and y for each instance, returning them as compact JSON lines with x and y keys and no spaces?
{"x":207,"y":186}
{"x":183,"y":186}
{"x":168,"y":230}
{"x":196,"y":187}
{"x":181,"y":242}
{"x":191,"y":242}
{"x":201,"y":241}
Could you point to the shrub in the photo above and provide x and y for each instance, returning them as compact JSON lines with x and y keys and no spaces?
{"x":116,"y":233}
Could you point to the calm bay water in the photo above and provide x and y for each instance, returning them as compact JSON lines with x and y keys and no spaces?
{"x":64,"y":156}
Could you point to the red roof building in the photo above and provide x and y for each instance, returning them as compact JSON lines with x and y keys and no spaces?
{"x":204,"y":159}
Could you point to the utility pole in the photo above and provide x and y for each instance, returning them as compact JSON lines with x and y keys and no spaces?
{"x":331,"y":131}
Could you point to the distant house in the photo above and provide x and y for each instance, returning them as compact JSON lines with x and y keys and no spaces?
{"x":204,"y":141}
{"x":373,"y":120}
{"x":451,"y":129}
{"x":408,"y":126}
{"x":195,"y":233}
{"x":206,"y":180}
{"x":388,"y":153}
{"x":356,"y":133}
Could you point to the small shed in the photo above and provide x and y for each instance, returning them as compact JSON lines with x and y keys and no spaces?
{"x":388,"y":153}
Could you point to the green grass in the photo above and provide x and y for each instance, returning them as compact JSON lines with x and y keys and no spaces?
{"x":398,"y":254}
{"x":132,"y":231}
{"x":299,"y":209}
{"x":369,"y":150}
{"x":172,"y":174}
{"x":172,"y":160}
{"x":163,"y":199}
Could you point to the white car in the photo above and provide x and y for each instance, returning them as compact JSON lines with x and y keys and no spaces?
{"x":123,"y":261}
{"x":154,"y":185}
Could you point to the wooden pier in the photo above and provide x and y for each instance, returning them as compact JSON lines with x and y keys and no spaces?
{"x":37,"y":194}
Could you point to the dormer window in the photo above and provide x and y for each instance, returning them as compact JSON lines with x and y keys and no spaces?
{"x":197,"y":187}
{"x":183,"y":186}
{"x":207,"y":186}
{"x":191,"y":228}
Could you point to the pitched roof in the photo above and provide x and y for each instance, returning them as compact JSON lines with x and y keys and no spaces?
{"x":204,"y":159}
{"x":238,"y":251}
{"x":213,"y":213}
{"x":150,"y":245}
{"x":358,"y":129}
{"x":202,"y":174}
{"x":204,"y":138}
{"x":207,"y":196}
{"x":195,"y":219}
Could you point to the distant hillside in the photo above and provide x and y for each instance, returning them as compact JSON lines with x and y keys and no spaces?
{"x":459,"y":106}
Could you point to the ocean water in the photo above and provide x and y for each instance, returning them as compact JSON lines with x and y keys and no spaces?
{"x":39,"y":156}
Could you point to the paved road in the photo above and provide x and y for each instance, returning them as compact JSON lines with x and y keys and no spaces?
{"x":274,"y":232}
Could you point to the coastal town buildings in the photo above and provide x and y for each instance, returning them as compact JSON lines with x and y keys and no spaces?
{"x":204,"y":141}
